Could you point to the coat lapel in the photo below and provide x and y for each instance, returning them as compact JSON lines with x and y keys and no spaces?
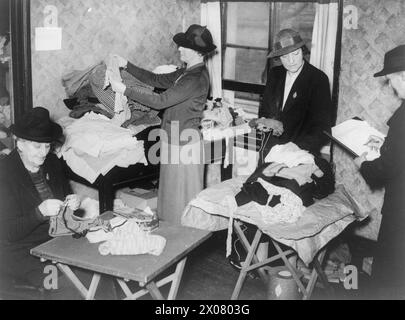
{"x":279,"y":94}
{"x":295,"y":92}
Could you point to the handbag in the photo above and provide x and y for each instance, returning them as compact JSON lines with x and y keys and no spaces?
{"x":67,"y":223}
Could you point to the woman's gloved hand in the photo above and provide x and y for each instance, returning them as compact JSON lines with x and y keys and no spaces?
{"x":122,"y":62}
{"x":50,"y":207}
{"x":73,"y":201}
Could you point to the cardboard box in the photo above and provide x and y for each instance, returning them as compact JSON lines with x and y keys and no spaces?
{"x":139,"y":198}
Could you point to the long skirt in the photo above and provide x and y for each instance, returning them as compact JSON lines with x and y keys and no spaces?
{"x":178,"y":184}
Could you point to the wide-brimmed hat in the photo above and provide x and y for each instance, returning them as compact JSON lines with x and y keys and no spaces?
{"x":394,"y":61}
{"x":286,"y":41}
{"x":36,"y":125}
{"x":196,"y":37}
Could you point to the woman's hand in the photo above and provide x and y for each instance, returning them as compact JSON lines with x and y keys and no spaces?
{"x":50,"y":207}
{"x":122,"y":62}
{"x":266,"y":125}
{"x":359,"y":160}
{"x":374,"y":142}
{"x":73,"y":201}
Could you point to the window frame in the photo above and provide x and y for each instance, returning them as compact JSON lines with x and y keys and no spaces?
{"x":241,"y":86}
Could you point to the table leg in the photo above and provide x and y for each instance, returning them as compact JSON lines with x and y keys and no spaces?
{"x":250,"y":249}
{"x":177,"y":278}
{"x":293,"y":270}
{"x":88,"y":294}
{"x":154,"y":291}
{"x":317,"y":271}
{"x":105,"y":194}
{"x":153,"y":288}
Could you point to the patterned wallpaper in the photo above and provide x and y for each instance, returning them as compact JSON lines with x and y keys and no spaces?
{"x":140,"y":30}
{"x":380,"y":28}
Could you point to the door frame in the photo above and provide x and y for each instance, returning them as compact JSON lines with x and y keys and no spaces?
{"x":20,"y":29}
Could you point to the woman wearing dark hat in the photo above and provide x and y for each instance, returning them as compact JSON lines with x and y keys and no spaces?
{"x":32,"y":188}
{"x":297,"y":104}
{"x":388,"y":171}
{"x":183,"y":103}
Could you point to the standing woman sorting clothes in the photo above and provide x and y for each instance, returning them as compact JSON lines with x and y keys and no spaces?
{"x":181,"y":178}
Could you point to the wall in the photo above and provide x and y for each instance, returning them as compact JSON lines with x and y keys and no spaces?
{"x":140,"y":30}
{"x":380,"y":28}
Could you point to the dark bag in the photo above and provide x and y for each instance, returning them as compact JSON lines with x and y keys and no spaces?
{"x":66,"y":223}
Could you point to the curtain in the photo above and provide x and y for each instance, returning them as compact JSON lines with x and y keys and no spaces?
{"x":324,"y":38}
{"x":211,"y":17}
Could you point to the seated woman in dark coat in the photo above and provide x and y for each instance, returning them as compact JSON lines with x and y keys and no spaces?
{"x":297,"y":103}
{"x":32,"y":188}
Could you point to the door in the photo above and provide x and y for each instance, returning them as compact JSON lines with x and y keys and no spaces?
{"x":15,"y":64}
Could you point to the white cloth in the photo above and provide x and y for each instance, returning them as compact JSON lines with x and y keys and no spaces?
{"x":113,"y":72}
{"x":129,"y":239}
{"x":289,"y":210}
{"x":94,"y":145}
{"x":289,"y":154}
{"x":289,"y":82}
{"x":324,"y":38}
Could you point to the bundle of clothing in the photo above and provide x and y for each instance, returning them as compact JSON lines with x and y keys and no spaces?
{"x":287,"y":183}
{"x":94,"y":145}
{"x":89,"y":90}
{"x":67,"y":223}
{"x":126,"y":238}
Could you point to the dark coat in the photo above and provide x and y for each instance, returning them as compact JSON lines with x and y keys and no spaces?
{"x":307,"y":111}
{"x":183,"y":101}
{"x":389,"y":171}
{"x":21,"y":224}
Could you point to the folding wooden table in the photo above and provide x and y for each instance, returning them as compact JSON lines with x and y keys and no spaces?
{"x":252,"y":263}
{"x":67,"y":252}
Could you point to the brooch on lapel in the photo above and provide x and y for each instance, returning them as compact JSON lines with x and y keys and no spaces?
{"x":295,"y":95}
{"x":47,"y":177}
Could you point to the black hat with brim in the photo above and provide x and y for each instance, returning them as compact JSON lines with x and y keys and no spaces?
{"x":197,"y":38}
{"x":394,"y":61}
{"x":37,"y":126}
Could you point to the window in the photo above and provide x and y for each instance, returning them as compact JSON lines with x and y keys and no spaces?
{"x":249,"y":28}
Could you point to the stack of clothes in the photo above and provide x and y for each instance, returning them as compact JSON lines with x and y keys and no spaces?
{"x":287,"y":183}
{"x":94,"y":145}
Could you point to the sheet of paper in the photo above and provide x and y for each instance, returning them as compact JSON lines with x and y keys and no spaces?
{"x":48,"y":39}
{"x":354,"y":134}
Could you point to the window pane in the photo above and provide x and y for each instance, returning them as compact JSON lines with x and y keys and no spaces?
{"x":245,"y":65}
{"x":297,"y":16}
{"x":247,"y":23}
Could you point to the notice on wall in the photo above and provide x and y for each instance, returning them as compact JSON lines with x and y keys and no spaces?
{"x":47,"y":39}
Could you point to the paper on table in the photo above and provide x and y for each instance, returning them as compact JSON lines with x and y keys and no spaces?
{"x":354,"y":134}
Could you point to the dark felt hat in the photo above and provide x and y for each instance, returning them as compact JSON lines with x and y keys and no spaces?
{"x":394,"y":61}
{"x":196,"y":37}
{"x":36,"y":125}
{"x":286,"y":41}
